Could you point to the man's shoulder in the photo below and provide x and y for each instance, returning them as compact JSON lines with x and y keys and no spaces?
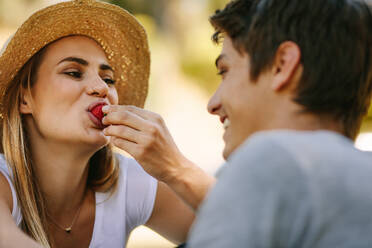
{"x":312,"y":156}
{"x":264,"y":161}
{"x":271,"y":148}
{"x":322,"y":162}
{"x":313,"y":148}
{"x":289,"y":139}
{"x":289,"y":183}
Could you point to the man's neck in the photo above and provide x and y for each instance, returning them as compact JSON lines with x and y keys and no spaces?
{"x":294,"y":118}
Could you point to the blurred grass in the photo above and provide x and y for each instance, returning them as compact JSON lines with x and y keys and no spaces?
{"x":143,"y":237}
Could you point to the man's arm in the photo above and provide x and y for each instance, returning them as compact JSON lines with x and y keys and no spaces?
{"x":259,"y":193}
{"x":191,"y":183}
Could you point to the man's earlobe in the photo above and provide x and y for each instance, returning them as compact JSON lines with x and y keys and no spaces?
{"x":286,"y":62}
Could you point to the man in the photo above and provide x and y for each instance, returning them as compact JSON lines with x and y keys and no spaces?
{"x":296,"y":83}
{"x":302,"y":68}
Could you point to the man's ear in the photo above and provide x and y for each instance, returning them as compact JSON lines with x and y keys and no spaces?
{"x":25,"y":102}
{"x":286,"y":62}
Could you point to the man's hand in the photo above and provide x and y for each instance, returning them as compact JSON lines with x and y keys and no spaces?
{"x":144,"y":135}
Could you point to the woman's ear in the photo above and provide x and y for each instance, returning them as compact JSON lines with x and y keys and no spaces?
{"x":25,"y":102}
{"x":286,"y":63}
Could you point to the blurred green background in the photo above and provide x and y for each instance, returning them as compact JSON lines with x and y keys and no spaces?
{"x":185,"y":23}
{"x":183,"y":77}
{"x":179,"y":26}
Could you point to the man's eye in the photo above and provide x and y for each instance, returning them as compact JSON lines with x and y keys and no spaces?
{"x":221,"y":72}
{"x":74,"y":74}
{"x":109,"y":81}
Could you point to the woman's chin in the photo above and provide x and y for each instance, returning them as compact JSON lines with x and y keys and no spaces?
{"x":99,"y":140}
{"x":103,"y":141}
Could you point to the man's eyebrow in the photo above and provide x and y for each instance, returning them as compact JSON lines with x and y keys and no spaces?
{"x":105,"y":67}
{"x":75,"y":59}
{"x":219,"y":58}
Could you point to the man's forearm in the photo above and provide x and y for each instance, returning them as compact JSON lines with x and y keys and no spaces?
{"x":191,"y":183}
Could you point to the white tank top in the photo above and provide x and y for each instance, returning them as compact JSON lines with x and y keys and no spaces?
{"x":117,"y":215}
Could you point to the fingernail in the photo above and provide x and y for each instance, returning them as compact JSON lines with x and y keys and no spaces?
{"x":105,"y":108}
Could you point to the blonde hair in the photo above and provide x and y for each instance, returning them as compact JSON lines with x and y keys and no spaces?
{"x":103,"y":168}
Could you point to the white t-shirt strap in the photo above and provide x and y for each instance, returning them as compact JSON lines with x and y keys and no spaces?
{"x":16,"y":211}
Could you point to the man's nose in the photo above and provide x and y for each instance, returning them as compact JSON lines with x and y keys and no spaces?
{"x":214,"y":104}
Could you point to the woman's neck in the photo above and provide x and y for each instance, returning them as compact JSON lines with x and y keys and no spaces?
{"x":62,"y":172}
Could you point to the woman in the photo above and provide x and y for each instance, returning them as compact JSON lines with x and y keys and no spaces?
{"x":60,"y":181}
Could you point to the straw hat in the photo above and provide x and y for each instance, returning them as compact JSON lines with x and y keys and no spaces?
{"x":120,"y":35}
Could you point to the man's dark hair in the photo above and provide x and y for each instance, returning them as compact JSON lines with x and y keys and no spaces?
{"x":335,"y":41}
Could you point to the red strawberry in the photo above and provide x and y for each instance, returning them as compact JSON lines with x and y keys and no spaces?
{"x":97,"y":112}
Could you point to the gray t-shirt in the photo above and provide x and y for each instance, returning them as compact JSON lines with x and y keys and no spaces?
{"x":290,"y":189}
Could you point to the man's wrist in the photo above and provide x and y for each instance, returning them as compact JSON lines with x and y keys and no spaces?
{"x":180,"y":171}
{"x":190,"y":182}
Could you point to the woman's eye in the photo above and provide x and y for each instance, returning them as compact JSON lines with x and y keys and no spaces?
{"x":74,"y":74}
{"x":109,"y":81}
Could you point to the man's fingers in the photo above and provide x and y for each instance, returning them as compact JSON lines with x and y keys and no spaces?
{"x":125,"y":117}
{"x":125,"y":145}
{"x":144,"y":114}
{"x":123,"y":132}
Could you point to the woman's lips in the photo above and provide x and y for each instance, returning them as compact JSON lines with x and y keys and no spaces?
{"x":96,"y":121}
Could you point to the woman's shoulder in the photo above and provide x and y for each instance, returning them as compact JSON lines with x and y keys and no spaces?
{"x":140,"y":191}
{"x":123,"y":160}
{"x":7,"y":188}
{"x":132,"y":173}
{"x":2,"y":160}
{"x":3,"y":166}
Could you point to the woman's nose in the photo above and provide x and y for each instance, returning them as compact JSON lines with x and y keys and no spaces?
{"x":98,"y":88}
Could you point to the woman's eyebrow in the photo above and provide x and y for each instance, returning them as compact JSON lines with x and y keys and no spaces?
{"x":75,"y":59}
{"x":85,"y":63}
{"x":81,"y":61}
{"x":105,"y":67}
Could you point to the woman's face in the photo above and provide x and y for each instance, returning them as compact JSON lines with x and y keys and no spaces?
{"x":73,"y":76}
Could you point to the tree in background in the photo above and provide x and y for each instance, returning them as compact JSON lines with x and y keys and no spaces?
{"x":185,"y":23}
{"x":155,"y":9}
